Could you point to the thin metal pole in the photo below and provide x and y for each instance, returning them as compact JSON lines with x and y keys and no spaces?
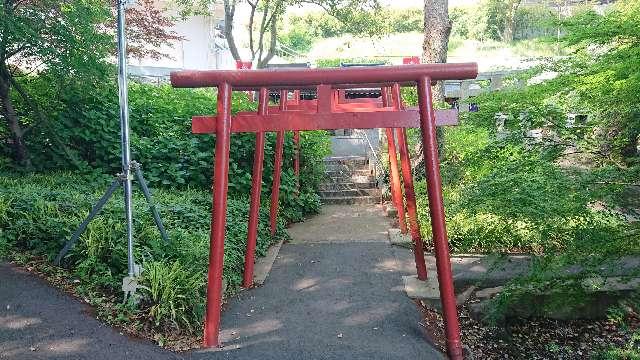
{"x":218,"y":217}
{"x":256,"y":190}
{"x":124,"y":132}
{"x":409,"y":191}
{"x":277,"y":169}
{"x":152,"y":205}
{"x":438,"y":225}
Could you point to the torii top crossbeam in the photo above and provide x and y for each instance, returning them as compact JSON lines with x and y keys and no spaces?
{"x":338,"y":77}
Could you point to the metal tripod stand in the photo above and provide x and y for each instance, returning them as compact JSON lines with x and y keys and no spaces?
{"x":129,"y":283}
{"x":117,"y":182}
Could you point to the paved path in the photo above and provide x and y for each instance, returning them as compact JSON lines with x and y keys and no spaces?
{"x":327,"y":297}
{"x":40,"y":322}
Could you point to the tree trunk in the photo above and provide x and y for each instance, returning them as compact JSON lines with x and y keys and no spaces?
{"x":229,"y":13}
{"x":510,"y":21}
{"x":273,"y":44}
{"x":437,"y":28}
{"x":20,"y":152}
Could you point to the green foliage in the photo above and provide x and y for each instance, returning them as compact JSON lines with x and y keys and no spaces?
{"x":298,"y":38}
{"x":372,"y":23}
{"x":162,"y":141}
{"x":39,"y":212}
{"x":487,"y":19}
{"x":327,"y":63}
{"x":563,"y":196}
{"x":63,"y":36}
{"x":174,"y":294}
{"x":630,"y":351}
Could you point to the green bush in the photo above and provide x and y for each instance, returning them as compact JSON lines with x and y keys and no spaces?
{"x":162,"y":141}
{"x":377,"y":22}
{"x":39,"y":212}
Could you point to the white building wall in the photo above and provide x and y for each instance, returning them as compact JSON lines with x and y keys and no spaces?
{"x":201,"y":48}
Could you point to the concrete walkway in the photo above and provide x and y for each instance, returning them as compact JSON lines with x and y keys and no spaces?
{"x":329,"y":297}
{"x":335,"y":292}
{"x":40,"y":322}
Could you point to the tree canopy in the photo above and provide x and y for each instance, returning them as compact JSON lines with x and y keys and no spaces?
{"x":66,"y":41}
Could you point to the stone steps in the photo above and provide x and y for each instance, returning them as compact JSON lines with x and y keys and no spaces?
{"x":347,"y":186}
{"x":358,"y":179}
{"x":349,"y":193}
{"x":347,"y":160}
{"x":349,"y":180}
{"x":348,"y":172}
{"x":351,"y":200}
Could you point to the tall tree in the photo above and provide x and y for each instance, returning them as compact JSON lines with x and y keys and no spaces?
{"x":511,"y":8}
{"x":264,"y":17}
{"x":63,"y":39}
{"x":437,"y":28}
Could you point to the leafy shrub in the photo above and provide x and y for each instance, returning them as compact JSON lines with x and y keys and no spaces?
{"x":172,"y":292}
{"x":162,"y":141}
{"x":44,"y":210}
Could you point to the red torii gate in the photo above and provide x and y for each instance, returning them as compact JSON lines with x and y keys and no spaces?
{"x":327,"y":112}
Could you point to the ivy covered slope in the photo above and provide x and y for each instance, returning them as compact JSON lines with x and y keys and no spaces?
{"x":40,"y":208}
{"x":567,"y":191}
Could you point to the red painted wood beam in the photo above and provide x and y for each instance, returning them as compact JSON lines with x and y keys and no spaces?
{"x":218,"y":219}
{"x":438,"y":224}
{"x":296,"y":78}
{"x":277,"y":168}
{"x":256,"y":191}
{"x":290,"y":120}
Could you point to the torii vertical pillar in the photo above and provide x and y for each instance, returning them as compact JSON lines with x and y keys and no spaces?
{"x":277,"y":168}
{"x":438,"y":225}
{"x":256,"y":190}
{"x":409,"y":191}
{"x":394,"y":174}
{"x":218,"y":217}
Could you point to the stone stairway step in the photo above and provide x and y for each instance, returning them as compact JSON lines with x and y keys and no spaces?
{"x":360,"y":200}
{"x":350,"y":172}
{"x":360,"y":160}
{"x":349,"y":193}
{"x":347,"y":186}
{"x":347,"y":167}
{"x":351,"y":179}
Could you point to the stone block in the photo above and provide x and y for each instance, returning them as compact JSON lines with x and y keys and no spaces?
{"x":428,"y":291}
{"x":398,"y":238}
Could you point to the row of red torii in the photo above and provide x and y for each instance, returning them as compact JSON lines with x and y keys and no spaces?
{"x":329,"y":111}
